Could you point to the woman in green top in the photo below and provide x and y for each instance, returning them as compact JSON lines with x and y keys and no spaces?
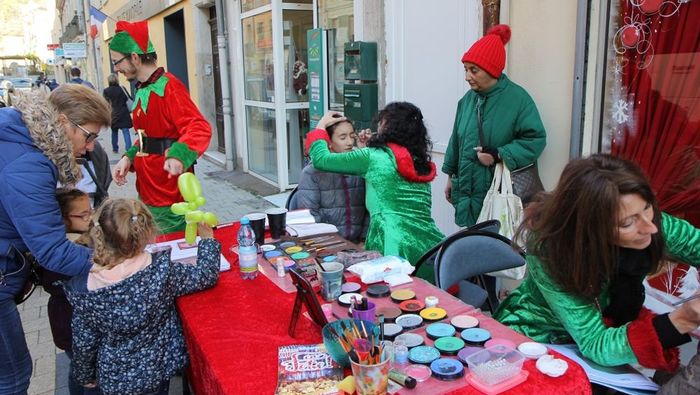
{"x":512,"y":130}
{"x":397,"y":169}
{"x":592,"y":241}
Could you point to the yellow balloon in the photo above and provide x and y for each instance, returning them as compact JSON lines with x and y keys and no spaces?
{"x":210,"y":219}
{"x":194,"y":216}
{"x":191,"y":233}
{"x":180,"y":208}
{"x":189,"y":186}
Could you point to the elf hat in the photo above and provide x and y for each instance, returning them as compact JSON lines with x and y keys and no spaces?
{"x":131,"y":38}
{"x":489,"y":52}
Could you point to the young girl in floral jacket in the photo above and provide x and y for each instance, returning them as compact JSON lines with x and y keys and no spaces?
{"x":127,"y":336}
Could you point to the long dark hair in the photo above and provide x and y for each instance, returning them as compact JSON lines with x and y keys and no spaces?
{"x":402,"y":124}
{"x":573,"y":230}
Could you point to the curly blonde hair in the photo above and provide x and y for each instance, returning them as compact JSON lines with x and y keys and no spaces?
{"x":121,"y":229}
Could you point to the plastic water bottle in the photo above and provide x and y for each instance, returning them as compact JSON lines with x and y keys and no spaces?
{"x":247,"y":251}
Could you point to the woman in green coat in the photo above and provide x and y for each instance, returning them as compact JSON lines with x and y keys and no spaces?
{"x":397,"y":170}
{"x":512,"y":128}
{"x":592,"y":241}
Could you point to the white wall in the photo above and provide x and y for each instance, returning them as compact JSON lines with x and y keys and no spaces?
{"x":425,"y":41}
{"x":541,"y":59}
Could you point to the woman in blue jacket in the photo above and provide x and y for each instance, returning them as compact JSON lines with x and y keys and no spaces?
{"x":39,"y":141}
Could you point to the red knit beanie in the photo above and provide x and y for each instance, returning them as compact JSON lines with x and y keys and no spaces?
{"x":489,"y":52}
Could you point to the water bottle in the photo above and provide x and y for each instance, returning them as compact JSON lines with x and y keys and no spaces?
{"x":247,"y":251}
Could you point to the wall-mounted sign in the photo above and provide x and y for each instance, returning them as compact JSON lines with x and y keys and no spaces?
{"x":74,"y":50}
{"x":52,"y":47}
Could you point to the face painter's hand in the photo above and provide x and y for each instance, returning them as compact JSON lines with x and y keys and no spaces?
{"x":205,"y":231}
{"x":363,"y":137}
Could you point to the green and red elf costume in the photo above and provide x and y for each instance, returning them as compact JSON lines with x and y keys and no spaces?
{"x":398,"y":199}
{"x":173,"y":128}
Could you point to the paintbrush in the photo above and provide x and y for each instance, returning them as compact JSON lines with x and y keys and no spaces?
{"x":327,"y":243}
{"x":680,"y":302}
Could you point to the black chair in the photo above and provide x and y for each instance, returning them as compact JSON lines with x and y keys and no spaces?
{"x":492,"y":225}
{"x":291,"y":204}
{"x":472,"y":253}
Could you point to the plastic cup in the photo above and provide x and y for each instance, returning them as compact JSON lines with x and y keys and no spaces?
{"x":365,"y":315}
{"x":331,"y":280}
{"x":257,"y":222}
{"x":371,"y":379}
{"x":277,"y":217}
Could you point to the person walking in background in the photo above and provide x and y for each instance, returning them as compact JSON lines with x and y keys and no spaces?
{"x":511,"y":128}
{"x":117,"y":96}
{"x":39,"y":141}
{"x":76,"y":211}
{"x":127,"y":336}
{"x":591,"y":242}
{"x":174,"y":132}
{"x":75,"y":78}
{"x":335,"y":198}
{"x":397,"y":169}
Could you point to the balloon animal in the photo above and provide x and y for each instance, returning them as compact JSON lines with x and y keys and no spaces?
{"x":191,"y":190}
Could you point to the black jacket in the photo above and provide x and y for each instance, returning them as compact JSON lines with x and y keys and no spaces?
{"x":121,"y":117}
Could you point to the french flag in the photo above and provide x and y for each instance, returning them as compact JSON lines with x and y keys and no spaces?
{"x":97,"y":17}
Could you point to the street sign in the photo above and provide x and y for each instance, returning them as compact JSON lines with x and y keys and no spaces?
{"x":74,"y":50}
{"x":58,"y":52}
{"x":51,"y":47}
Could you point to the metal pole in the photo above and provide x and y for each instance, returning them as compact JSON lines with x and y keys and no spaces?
{"x":226,"y":103}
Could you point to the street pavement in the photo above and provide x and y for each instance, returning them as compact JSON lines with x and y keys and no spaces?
{"x":228,"y":201}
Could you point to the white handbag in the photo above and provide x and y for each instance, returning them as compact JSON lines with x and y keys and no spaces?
{"x":507,"y":208}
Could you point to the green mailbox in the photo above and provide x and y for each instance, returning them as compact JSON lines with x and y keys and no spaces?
{"x":360,"y":103}
{"x":360,"y":92}
{"x":360,"y":61}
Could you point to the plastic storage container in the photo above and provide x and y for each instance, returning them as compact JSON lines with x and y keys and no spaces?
{"x":495,"y":365}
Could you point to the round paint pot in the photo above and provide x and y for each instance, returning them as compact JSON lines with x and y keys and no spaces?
{"x":390,"y":313}
{"x":423,"y":355}
{"x":462,"y":322}
{"x":464,"y":353}
{"x":346,"y":299}
{"x":411,"y":339}
{"x":433,"y":314}
{"x":293,"y":250}
{"x":401,"y":295}
{"x":300,"y":255}
{"x":411,"y":306}
{"x":447,"y":369}
{"x":500,"y":342}
{"x":267,"y":247}
{"x":436,"y":331}
{"x":287,"y":244}
{"x":329,"y":258}
{"x":272,"y":254}
{"x":350,"y":287}
{"x":378,"y":291}
{"x":449,"y":345}
{"x":475,"y":336}
{"x":392,"y":330}
{"x":409,"y":321}
{"x":418,"y":372}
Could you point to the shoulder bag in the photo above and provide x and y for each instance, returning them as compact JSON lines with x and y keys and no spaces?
{"x":129,"y":99}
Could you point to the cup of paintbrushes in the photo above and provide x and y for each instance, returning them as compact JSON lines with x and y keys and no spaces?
{"x":372,"y":376}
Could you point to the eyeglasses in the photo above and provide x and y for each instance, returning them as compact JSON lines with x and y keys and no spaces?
{"x":116,"y":62}
{"x":89,"y":136}
{"x":84,"y":216}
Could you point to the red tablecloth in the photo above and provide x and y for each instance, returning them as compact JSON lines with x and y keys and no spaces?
{"x":233,"y":332}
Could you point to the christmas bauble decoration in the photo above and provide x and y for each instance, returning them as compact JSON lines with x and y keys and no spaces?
{"x":630,"y":36}
{"x":650,"y":6}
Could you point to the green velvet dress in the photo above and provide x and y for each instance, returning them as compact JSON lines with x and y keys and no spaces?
{"x":539,"y":309}
{"x":399,"y":201}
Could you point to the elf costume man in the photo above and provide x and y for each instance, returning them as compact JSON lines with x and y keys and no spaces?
{"x":172,"y":131}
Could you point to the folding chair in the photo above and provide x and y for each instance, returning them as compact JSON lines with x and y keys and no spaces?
{"x":473,"y":253}
{"x":291,"y":203}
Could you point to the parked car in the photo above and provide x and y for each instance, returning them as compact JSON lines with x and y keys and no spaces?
{"x":21,"y":83}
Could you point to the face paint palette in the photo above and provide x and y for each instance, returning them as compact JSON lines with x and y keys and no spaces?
{"x":447,"y":369}
{"x":346,"y":299}
{"x":418,"y":372}
{"x":390,"y":313}
{"x":378,"y":291}
{"x":411,"y":306}
{"x":433,"y":314}
{"x":411,"y":339}
{"x":438,"y":330}
{"x":409,"y":321}
{"x":423,"y":355}
{"x":462,"y":322}
{"x":401,"y":295}
{"x":476,"y":336}
{"x":350,"y":287}
{"x":449,"y":345}
{"x":392,"y":330}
